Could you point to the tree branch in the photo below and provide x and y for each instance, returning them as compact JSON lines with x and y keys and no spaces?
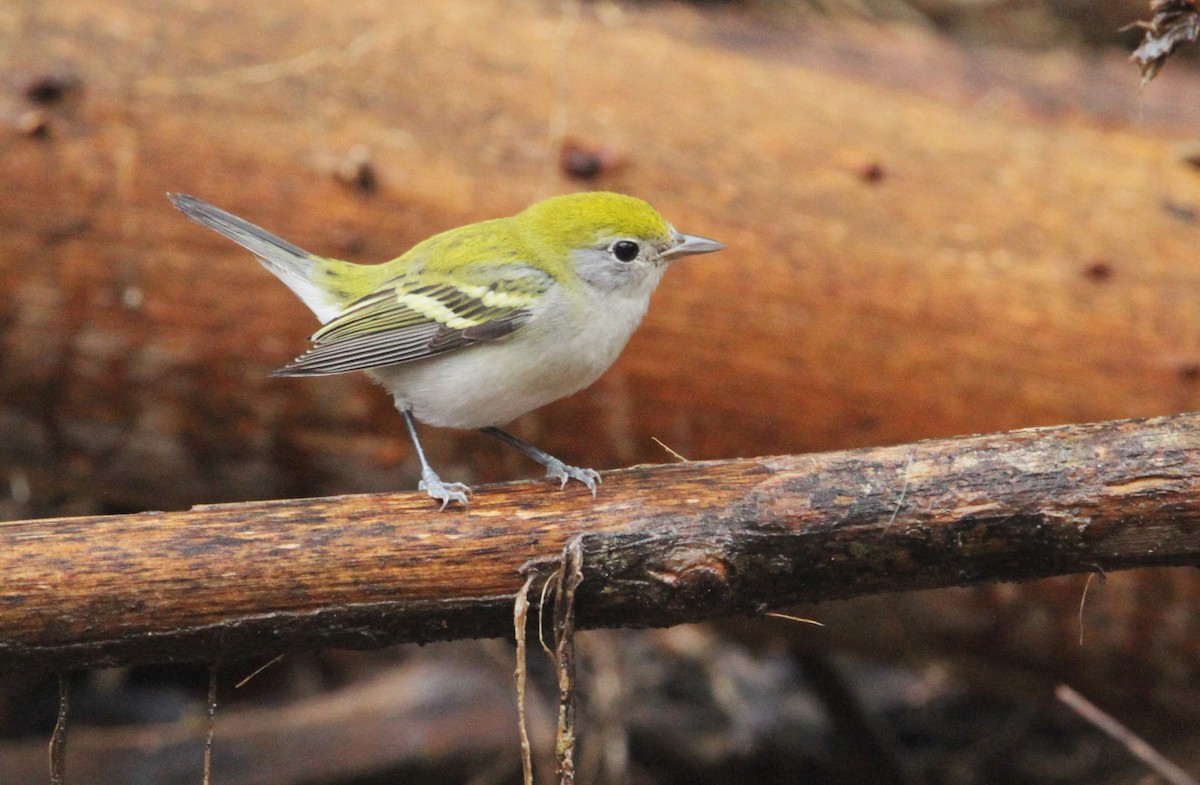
{"x":661,"y":545}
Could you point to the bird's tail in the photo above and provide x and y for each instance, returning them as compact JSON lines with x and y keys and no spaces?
{"x":289,"y":263}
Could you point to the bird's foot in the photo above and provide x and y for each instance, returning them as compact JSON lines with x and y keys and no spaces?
{"x":557,"y":470}
{"x":445,"y":492}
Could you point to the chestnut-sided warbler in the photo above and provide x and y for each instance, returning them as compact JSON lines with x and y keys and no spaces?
{"x":477,"y":325}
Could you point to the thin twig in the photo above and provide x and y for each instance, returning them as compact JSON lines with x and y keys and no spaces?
{"x":1136,"y":745}
{"x":520,"y":617}
{"x":257,"y":671}
{"x":1083,"y":598}
{"x":903,"y":491}
{"x":541,"y":609}
{"x":212,"y":722}
{"x":790,"y":617}
{"x":570,"y":576}
{"x":58,"y":739}
{"x":673,"y":454}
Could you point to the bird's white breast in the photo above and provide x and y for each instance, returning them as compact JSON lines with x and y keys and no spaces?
{"x":568,"y":344}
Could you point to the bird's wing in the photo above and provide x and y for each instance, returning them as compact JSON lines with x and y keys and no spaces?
{"x":408,"y":319}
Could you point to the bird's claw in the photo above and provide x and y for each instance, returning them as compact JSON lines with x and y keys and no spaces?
{"x":557,"y":470}
{"x":445,"y":492}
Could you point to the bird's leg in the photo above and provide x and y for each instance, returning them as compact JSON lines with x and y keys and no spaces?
{"x":555,"y":468}
{"x":445,"y":492}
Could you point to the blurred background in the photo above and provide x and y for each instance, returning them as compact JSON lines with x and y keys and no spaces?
{"x":942,"y":217}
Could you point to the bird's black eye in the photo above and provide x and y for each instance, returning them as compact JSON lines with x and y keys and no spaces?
{"x":625,"y":250}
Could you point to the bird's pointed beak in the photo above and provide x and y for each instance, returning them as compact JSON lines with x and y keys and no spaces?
{"x":690,"y":245}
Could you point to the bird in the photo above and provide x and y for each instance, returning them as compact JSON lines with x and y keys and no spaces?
{"x":477,"y":325}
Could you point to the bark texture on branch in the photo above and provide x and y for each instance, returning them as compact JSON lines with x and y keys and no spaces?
{"x":662,"y":545}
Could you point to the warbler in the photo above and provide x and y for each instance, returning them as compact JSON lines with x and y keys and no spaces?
{"x":478,"y":325}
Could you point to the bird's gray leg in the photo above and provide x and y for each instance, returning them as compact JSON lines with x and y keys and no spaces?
{"x":555,"y":468}
{"x":445,"y":492}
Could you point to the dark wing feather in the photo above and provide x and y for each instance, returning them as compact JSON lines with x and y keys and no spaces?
{"x":407,"y":320}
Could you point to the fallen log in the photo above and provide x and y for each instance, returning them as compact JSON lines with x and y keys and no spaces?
{"x":923,"y":241}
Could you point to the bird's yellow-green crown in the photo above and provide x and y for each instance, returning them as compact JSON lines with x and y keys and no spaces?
{"x":542,"y":235}
{"x":580,"y":220}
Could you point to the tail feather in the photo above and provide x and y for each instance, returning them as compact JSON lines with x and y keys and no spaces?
{"x":289,"y":263}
